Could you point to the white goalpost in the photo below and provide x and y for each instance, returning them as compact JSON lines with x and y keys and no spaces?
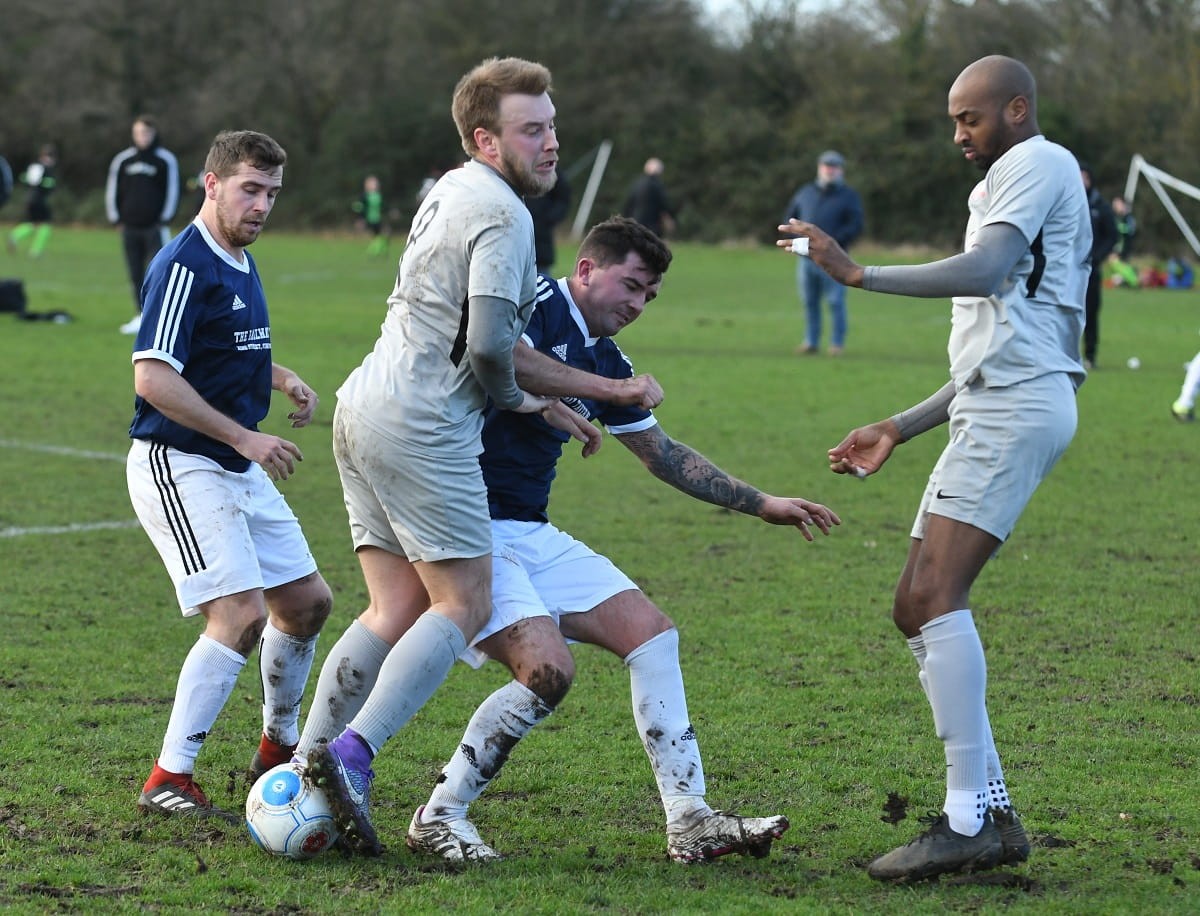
{"x":589,"y":193}
{"x":1157,"y":178}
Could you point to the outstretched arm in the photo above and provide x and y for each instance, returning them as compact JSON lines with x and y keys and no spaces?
{"x":687,"y":470}
{"x":978,"y":271}
{"x":864,"y":450}
{"x":538,"y":372}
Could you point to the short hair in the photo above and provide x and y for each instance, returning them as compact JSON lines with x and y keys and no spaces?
{"x":231,"y":148}
{"x":611,"y":241}
{"x":149,"y":120}
{"x":477,"y":96}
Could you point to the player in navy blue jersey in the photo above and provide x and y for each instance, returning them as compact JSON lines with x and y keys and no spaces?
{"x":200,"y":473}
{"x":548,"y":587}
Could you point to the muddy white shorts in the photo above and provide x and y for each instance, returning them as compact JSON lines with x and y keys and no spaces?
{"x":425,"y":506}
{"x":218,"y":532}
{"x":540,"y":571}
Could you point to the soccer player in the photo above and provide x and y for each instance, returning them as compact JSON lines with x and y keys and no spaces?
{"x":200,"y":473}
{"x":408,"y":421}
{"x":141,"y":196}
{"x":1184,"y":407}
{"x":1018,"y":310}
{"x":41,"y":177}
{"x":547,"y":586}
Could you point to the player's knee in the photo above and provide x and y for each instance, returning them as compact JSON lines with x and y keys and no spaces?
{"x":251,"y":633}
{"x":303,"y":609}
{"x":550,"y":681}
{"x":916,"y":605}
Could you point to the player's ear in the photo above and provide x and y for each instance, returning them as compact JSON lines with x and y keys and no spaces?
{"x":485,"y":140}
{"x":1017,"y":110}
{"x":583,"y":270}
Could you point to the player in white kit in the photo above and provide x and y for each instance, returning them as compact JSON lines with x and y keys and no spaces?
{"x":408,"y":422}
{"x":1018,"y":311}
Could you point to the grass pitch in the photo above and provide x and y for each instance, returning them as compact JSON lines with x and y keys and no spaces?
{"x":803,"y":695}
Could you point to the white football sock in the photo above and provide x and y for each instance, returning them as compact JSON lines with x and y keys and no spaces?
{"x":206,"y":681}
{"x":997,"y":792}
{"x":956,"y":681}
{"x":283,"y":663}
{"x":661,"y":714}
{"x":1191,"y":382}
{"x":345,"y":682}
{"x":498,"y":724}
{"x":413,"y":670}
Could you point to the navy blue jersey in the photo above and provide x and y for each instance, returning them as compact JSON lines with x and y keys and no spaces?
{"x":205,"y":315}
{"x":520,"y":450}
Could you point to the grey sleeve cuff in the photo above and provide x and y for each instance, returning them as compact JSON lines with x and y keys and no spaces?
{"x":491,"y":335}
{"x":931,"y":412}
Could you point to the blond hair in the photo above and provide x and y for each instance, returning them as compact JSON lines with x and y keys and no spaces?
{"x":477,"y":96}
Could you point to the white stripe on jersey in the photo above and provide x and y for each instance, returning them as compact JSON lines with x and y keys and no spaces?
{"x":545,"y":288}
{"x":170,"y":317}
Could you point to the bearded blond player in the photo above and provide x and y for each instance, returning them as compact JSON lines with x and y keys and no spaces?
{"x":408,"y":423}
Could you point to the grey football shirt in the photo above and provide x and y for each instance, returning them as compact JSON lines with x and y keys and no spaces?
{"x":1031,"y":326}
{"x":472,"y":236}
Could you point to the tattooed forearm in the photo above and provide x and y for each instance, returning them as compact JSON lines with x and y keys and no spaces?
{"x":687,"y":470}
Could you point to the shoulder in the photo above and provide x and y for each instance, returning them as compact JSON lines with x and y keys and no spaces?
{"x":552,"y":306}
{"x":611,"y":360}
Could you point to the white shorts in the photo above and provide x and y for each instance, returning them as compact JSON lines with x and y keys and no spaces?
{"x":415,"y":504}
{"x":218,"y":532}
{"x":540,"y":571}
{"x":1003,"y":443}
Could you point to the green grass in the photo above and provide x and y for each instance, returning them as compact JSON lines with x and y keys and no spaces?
{"x":803,"y":695}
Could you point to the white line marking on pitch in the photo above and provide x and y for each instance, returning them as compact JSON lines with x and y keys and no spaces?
{"x":60,"y":450}
{"x":67,"y":529}
{"x":77,"y":526}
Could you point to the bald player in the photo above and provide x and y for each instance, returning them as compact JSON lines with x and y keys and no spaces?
{"x":1018,"y":311}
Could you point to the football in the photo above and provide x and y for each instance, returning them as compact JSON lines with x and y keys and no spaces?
{"x":288,"y":817}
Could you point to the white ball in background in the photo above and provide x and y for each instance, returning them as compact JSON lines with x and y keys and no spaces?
{"x":1133,"y":362}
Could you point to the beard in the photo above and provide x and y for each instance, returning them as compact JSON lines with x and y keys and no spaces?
{"x":236,"y":233}
{"x":526,"y":181}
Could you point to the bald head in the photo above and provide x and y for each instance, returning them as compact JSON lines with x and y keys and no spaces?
{"x":993,"y":103}
{"x":1002,"y":79}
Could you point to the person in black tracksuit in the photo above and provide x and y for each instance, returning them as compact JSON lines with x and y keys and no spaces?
{"x":1104,"y":239}
{"x":141,"y":196}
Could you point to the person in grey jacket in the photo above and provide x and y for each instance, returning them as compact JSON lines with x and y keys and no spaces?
{"x":831,"y":204}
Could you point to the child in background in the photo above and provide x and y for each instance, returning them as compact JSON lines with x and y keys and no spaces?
{"x":40,"y":177}
{"x":369,"y":207}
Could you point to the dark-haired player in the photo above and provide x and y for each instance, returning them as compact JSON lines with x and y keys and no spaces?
{"x":548,"y":587}
{"x":200,"y":473}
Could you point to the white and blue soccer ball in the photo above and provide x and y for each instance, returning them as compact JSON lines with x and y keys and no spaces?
{"x":288,"y":817}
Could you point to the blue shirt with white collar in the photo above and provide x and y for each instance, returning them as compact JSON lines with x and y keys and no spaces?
{"x":520,"y":450}
{"x":205,"y":315}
